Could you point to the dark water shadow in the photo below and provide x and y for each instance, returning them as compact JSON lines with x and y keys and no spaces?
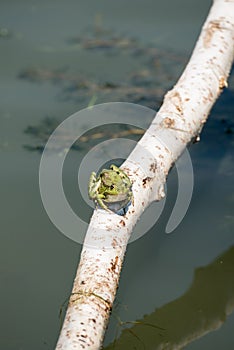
{"x":201,"y":310}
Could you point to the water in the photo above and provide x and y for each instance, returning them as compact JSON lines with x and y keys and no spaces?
{"x":38,"y":263}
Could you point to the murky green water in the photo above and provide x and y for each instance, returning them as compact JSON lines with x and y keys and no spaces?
{"x":43,"y":61}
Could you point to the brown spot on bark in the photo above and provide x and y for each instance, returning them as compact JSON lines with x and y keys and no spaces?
{"x":212,"y":27}
{"x":153,"y":167}
{"x":145,"y":180}
{"x":114,"y":243}
{"x":114,"y":264}
{"x":175,"y":98}
{"x":122,"y":222}
{"x":222,"y":83}
{"x":169,"y":122}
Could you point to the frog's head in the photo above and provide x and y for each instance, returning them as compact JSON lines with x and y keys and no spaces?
{"x":110,"y":178}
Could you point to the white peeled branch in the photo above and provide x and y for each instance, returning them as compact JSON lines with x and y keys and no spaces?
{"x":180,"y":120}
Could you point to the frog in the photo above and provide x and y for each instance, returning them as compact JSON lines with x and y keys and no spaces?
{"x":111,"y":190}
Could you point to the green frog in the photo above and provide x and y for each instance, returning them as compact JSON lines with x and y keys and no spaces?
{"x":111,"y":189}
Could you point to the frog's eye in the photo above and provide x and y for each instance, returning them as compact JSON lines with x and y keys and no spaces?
{"x":112,"y":187}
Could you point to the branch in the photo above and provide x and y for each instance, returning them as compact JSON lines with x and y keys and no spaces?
{"x":180,"y":119}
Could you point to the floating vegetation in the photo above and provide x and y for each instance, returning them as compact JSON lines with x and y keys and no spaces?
{"x":105,"y":43}
{"x":145,"y":85}
{"x":138,"y":89}
{"x":42,"y":132}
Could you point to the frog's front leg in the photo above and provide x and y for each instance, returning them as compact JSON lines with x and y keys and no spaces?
{"x":93,"y":185}
{"x":102,"y":204}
